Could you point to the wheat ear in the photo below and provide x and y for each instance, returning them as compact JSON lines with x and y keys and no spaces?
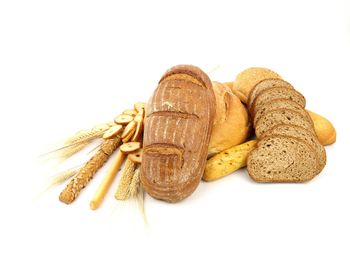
{"x":122,"y":192}
{"x":86,"y":173}
{"x":78,"y":141}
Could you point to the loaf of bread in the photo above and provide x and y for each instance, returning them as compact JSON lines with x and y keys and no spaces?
{"x":277,"y":93}
{"x":248,"y":78}
{"x":266,"y":84}
{"x":282,"y":159}
{"x":178,"y":125}
{"x":278,"y":104}
{"x":282,"y":116}
{"x":231,"y":123}
{"x":302,"y":134}
{"x":288,"y":149}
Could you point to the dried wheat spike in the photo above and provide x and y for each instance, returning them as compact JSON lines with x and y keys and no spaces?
{"x":122,"y":192}
{"x":71,"y":150}
{"x":86,"y":173}
{"x":135,"y":184}
{"x":87,"y":135}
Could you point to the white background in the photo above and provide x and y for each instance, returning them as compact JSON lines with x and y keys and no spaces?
{"x":67,"y":65}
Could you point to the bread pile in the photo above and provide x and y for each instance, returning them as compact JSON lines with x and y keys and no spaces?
{"x":288,"y":149}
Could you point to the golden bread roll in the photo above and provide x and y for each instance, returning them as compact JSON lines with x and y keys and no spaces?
{"x":325,"y":131}
{"x":231,"y":122}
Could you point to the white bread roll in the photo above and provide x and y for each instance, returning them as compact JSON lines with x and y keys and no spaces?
{"x":231,"y":123}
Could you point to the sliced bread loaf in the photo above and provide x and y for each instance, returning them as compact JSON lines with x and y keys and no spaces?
{"x":277,"y":93}
{"x":282,"y":159}
{"x":303,"y":134}
{"x":278,"y":104}
{"x":266,"y":84}
{"x":281,"y":116}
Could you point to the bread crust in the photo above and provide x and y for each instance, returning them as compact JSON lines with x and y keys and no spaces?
{"x":178,"y":124}
{"x":309,"y":174}
{"x":266,"y":84}
{"x":259,"y":133}
{"x":231,"y":123}
{"x":272,"y":105}
{"x":286,"y":95}
{"x":303,"y":134}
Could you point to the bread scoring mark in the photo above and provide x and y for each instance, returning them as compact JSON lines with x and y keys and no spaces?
{"x":175,"y":114}
{"x":175,"y":131}
{"x":165,"y":131}
{"x":149,"y":125}
{"x":166,"y":166}
{"x":184,"y":77}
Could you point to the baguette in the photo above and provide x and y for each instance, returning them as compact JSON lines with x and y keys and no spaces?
{"x":228,"y":161}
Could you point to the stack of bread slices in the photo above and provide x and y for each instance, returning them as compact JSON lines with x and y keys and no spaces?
{"x":288,"y":149}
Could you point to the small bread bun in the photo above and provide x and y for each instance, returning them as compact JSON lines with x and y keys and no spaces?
{"x":231,"y":122}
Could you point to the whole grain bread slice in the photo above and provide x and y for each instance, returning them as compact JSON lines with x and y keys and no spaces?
{"x":281,"y":116}
{"x":277,"y":93}
{"x":266,"y":84}
{"x":278,"y":104}
{"x":303,"y":134}
{"x":282,"y":159}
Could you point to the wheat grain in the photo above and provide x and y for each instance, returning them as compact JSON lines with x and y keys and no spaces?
{"x":63,"y":176}
{"x":122,"y":192}
{"x":135,"y":183}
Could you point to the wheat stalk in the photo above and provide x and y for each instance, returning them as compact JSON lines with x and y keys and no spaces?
{"x":122,"y":192}
{"x":87,"y":134}
{"x":63,"y":176}
{"x":136,"y":191}
{"x":77,"y":142}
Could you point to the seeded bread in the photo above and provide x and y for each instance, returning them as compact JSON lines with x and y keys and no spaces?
{"x":282,"y":159}
{"x":303,"y":134}
{"x":281,"y":116}
{"x":278,"y":104}
{"x":277,"y":93}
{"x":266,"y":84}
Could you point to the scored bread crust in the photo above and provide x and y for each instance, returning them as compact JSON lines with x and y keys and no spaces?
{"x":266,"y":84}
{"x":303,"y":134}
{"x":287,"y":117}
{"x":274,"y":105}
{"x":261,"y":165}
{"x":277,"y":93}
{"x":178,"y":124}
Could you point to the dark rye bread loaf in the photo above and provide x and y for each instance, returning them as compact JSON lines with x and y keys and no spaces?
{"x":278,"y":104}
{"x":277,"y":93}
{"x":281,"y":116}
{"x":302,"y":134}
{"x":178,"y":123}
{"x":282,"y":159}
{"x":266,"y":84}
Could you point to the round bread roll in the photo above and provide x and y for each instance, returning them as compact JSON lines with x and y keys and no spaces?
{"x":231,"y":122}
{"x":248,"y":78}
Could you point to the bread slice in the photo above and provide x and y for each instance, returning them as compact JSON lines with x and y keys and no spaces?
{"x":281,"y":116}
{"x":277,"y":93}
{"x":278,"y":104}
{"x":303,"y":134}
{"x":282,"y":159}
{"x":266,"y":84}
